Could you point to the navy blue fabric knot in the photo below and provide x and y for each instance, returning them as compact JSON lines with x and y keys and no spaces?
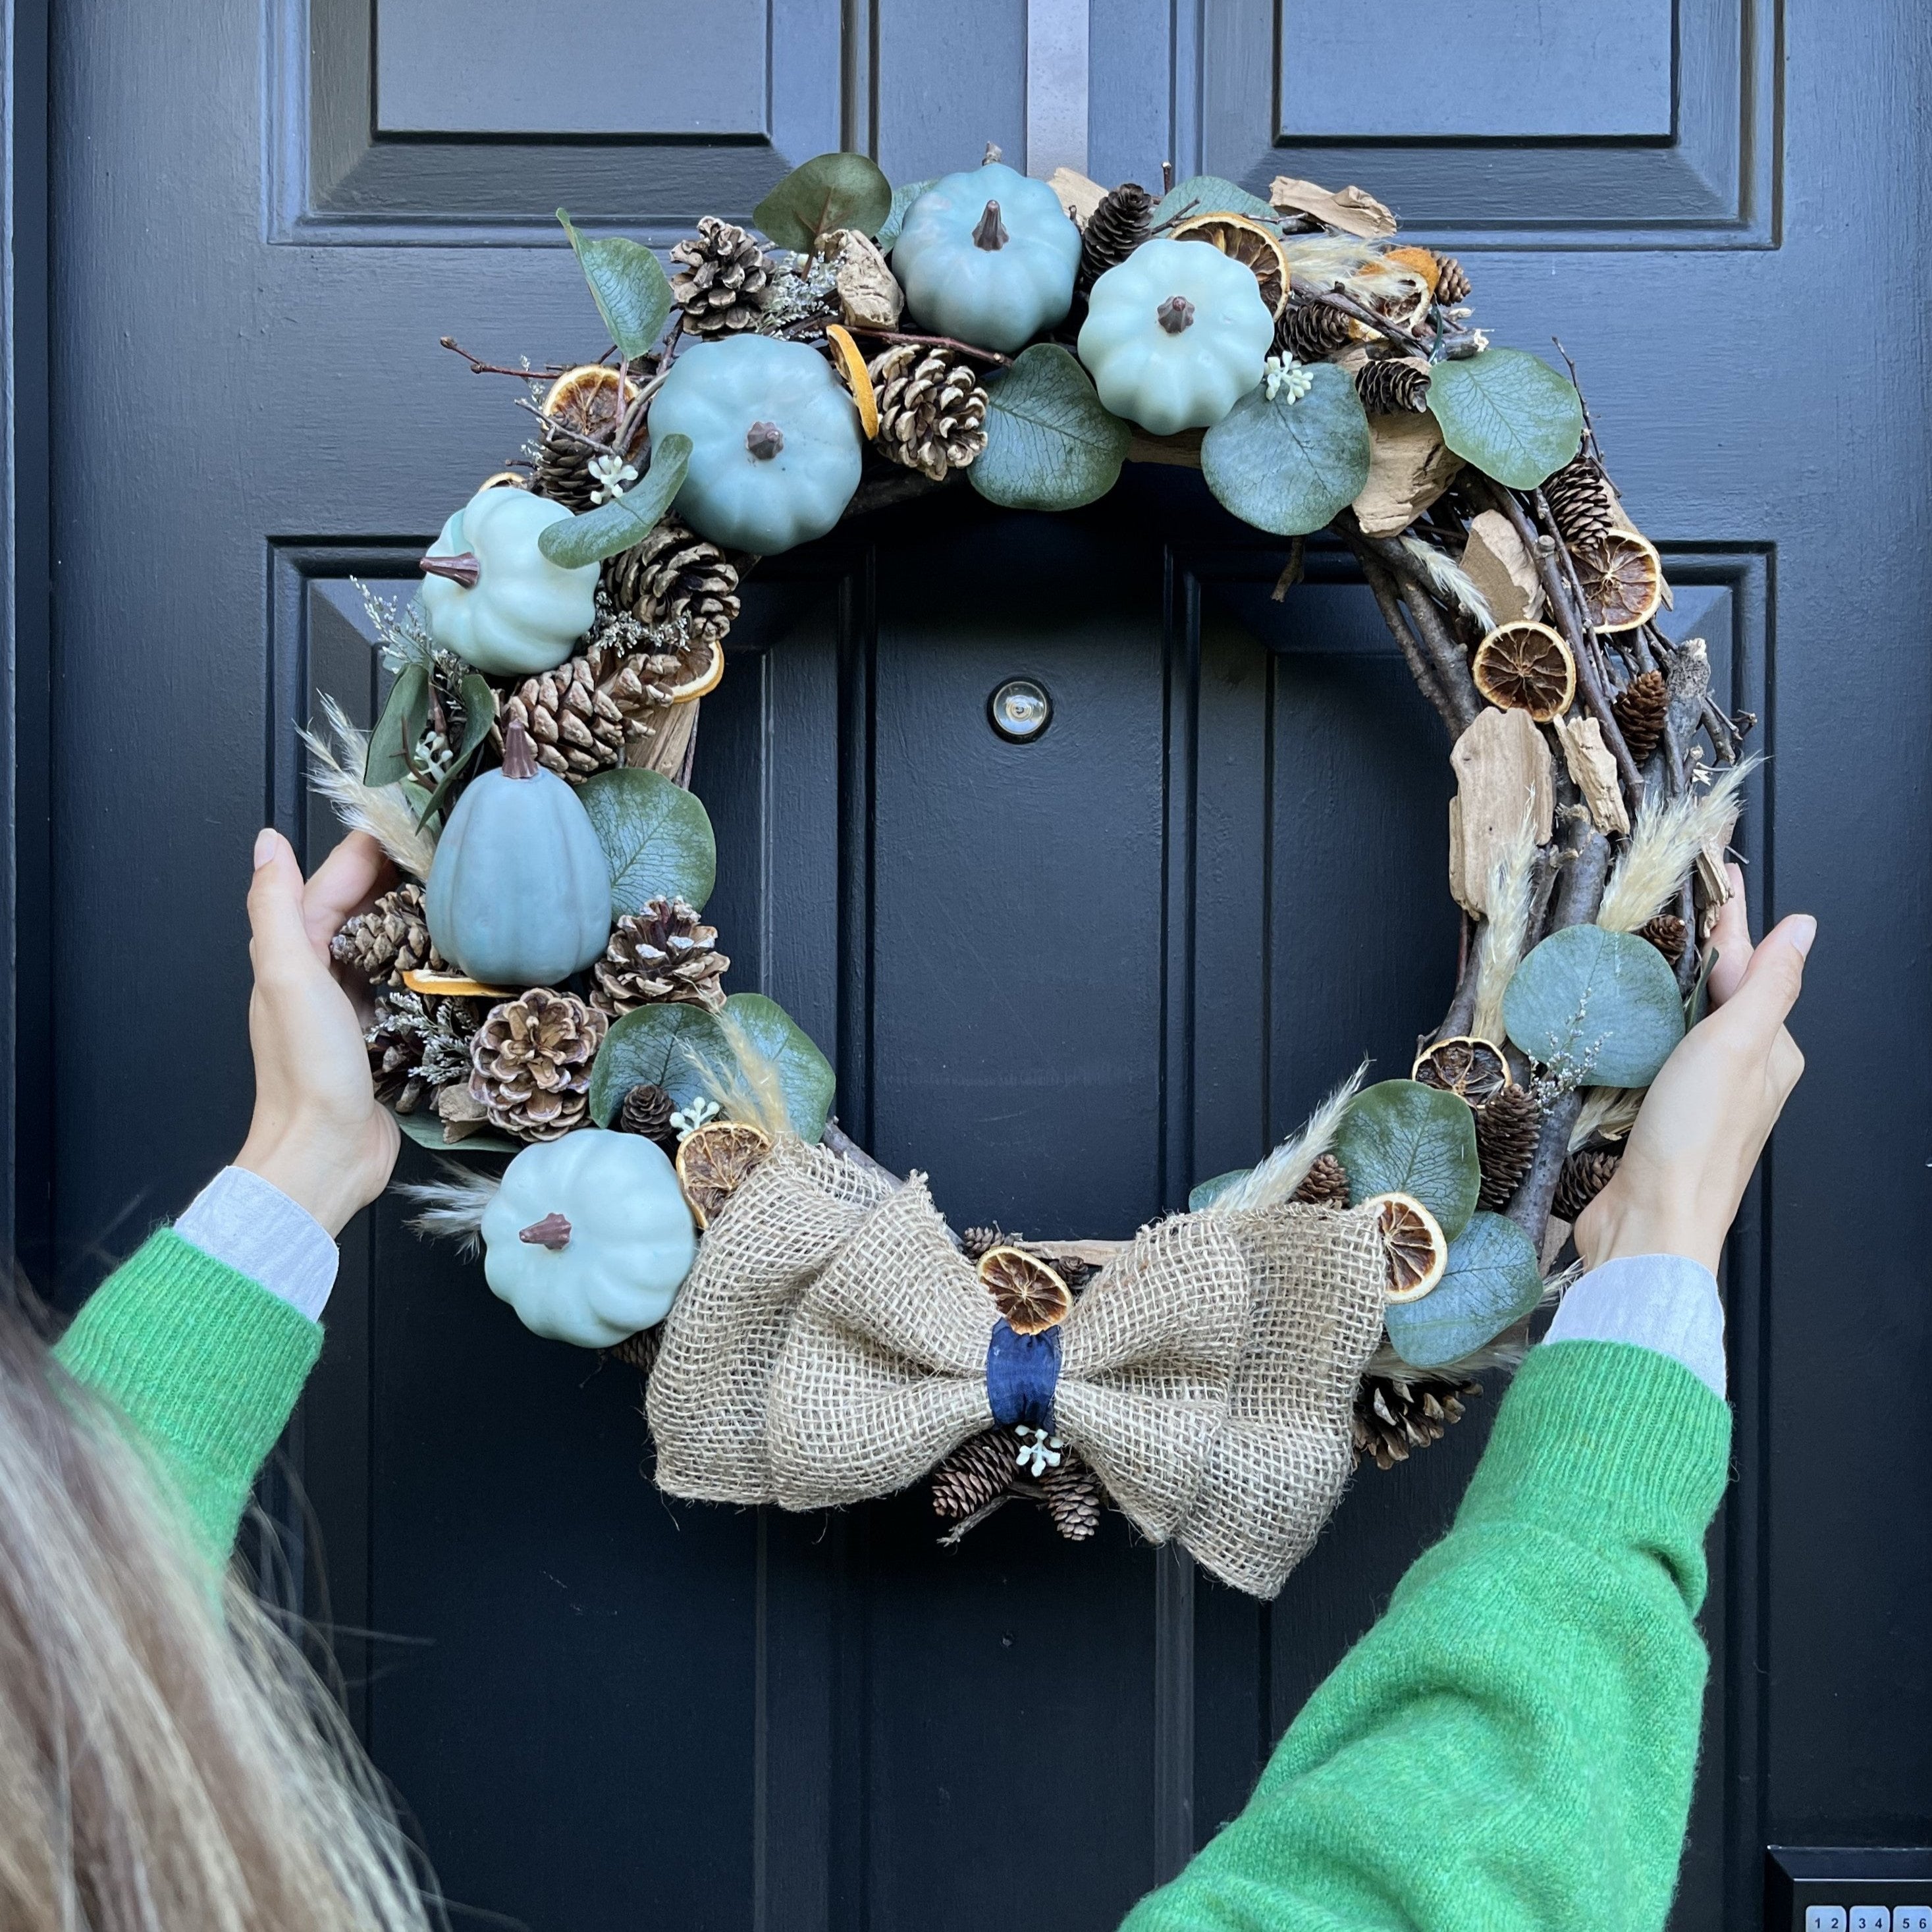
{"x":1022,"y":1372}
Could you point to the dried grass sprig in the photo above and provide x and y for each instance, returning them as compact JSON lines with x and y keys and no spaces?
{"x":383,"y":811}
{"x":1450,"y":582}
{"x":1275,"y":1179}
{"x":1505,"y":1352}
{"x":451,"y":1209}
{"x":1664,"y":846}
{"x":1608,"y":1113}
{"x":1500,"y":942}
{"x":749,"y":1091}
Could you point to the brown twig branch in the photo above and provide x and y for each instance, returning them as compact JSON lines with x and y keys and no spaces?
{"x":935,"y":342}
{"x":838,"y":1142}
{"x":1445,"y":655}
{"x":1529,"y":1206}
{"x":1337,"y":297}
{"x":883,"y":492}
{"x":478,"y":367}
{"x":1382,"y":587}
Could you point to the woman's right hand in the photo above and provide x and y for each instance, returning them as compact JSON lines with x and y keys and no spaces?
{"x":1707,"y":1114}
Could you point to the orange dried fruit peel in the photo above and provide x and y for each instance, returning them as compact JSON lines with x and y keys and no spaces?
{"x":1031,"y":1296}
{"x":1526,"y":666}
{"x":713,"y":1163}
{"x":1413,"y":1242}
{"x":1256,"y":246}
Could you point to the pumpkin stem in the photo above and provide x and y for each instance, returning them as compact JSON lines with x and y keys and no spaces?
{"x":520,"y":754}
{"x":764,"y":440}
{"x":1175,"y":314}
{"x":991,"y":232}
{"x":463,"y":569}
{"x":552,"y":1232}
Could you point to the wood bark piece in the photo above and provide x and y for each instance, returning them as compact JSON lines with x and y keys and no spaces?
{"x":667,"y":749}
{"x":869,"y":295}
{"x":1409,"y":468}
{"x":1496,"y":562}
{"x":1713,"y":883}
{"x":1183,"y":449}
{"x":1595,"y":773}
{"x":1078,"y":195}
{"x":1503,"y":770}
{"x":1353,"y":210}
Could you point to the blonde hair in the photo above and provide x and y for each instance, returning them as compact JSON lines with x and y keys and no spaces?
{"x":169,"y":1761}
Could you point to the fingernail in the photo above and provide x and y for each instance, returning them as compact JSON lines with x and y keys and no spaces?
{"x":1804,"y":930}
{"x":264,"y":846}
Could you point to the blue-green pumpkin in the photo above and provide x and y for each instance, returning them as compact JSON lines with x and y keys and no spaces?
{"x":988,"y":256}
{"x":775,"y":446}
{"x":1175,"y":335}
{"x":519,"y":891}
{"x":492,"y":596}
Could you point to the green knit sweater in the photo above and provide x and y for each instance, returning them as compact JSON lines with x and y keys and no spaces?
{"x":1510,"y":1749}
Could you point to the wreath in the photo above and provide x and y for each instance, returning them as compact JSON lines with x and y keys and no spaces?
{"x":545,"y":986}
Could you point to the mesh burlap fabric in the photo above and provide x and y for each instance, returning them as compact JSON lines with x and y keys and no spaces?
{"x":708,"y":1392}
{"x":1279,"y":1463}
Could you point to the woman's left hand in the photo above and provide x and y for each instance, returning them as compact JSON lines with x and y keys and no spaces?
{"x":318,"y":1133}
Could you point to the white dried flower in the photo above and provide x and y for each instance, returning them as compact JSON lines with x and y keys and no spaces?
{"x":612,"y":473}
{"x":1038,"y":1451}
{"x":688,"y":1118}
{"x":1282,"y":377}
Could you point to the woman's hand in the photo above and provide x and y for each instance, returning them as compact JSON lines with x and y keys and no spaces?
{"x":1707,"y":1116}
{"x":318,"y":1133}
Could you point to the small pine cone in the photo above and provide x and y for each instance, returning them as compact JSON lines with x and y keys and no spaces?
{"x":975,"y":1241}
{"x":1668,"y":934}
{"x":665,"y":952}
{"x":1507,"y":1129}
{"x":1118,"y":226}
{"x":530,"y":1063}
{"x":1392,"y":1419}
{"x":1452,"y":282}
{"x":390,"y":939}
{"x":1580,"y":499}
{"x":1585,"y":1176}
{"x":1326,"y":1183}
{"x":418,"y":1048}
{"x":673,"y":576}
{"x":1396,"y":385}
{"x":1311,"y":332}
{"x":1640,"y":708}
{"x":722,"y":278}
{"x":576,"y":722}
{"x":1074,"y":1497}
{"x":983,"y":1468}
{"x":639,"y":1352}
{"x":932,"y":411}
{"x":647,"y":1110}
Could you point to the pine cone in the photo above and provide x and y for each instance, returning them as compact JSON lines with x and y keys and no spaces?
{"x":1452,"y":282}
{"x":722,"y":278}
{"x":1507,"y":1129}
{"x":390,"y":939}
{"x":1326,"y":1183}
{"x":932,"y":411}
{"x":1585,"y":1176}
{"x":1580,"y":499}
{"x":581,"y":721}
{"x":530,"y":1063}
{"x":1668,"y":934}
{"x":1394,"y":1418}
{"x":639,"y":1352}
{"x":1311,"y":332}
{"x":1074,"y":1497}
{"x":1118,"y":226}
{"x":1395,"y":385}
{"x":1639,"y":709}
{"x":975,"y":1241}
{"x":672,"y":576}
{"x":665,"y":952}
{"x":418,"y":1046}
{"x":647,"y":1110}
{"x":983,"y":1468}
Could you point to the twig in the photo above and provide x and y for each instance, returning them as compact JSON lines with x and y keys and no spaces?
{"x":934,"y":342}
{"x":1444,"y":653}
{"x":1382,"y":586}
{"x":1290,"y":572}
{"x":1590,"y":442}
{"x":478,"y":367}
{"x":1337,"y":297}
{"x":1462,"y":1013}
{"x":957,"y":1533}
{"x":552,"y":427}
{"x":1529,"y":1206}
{"x":884,"y":492}
{"x":838,"y":1142}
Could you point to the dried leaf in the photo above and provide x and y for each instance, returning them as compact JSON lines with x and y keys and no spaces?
{"x":1353,"y":210}
{"x":1502,"y":568}
{"x":1409,"y":468}
{"x":1595,"y":773}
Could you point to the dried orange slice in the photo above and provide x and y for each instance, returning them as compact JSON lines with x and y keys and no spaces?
{"x":455,"y":986}
{"x":1473,"y":1068}
{"x":701,"y":672}
{"x":713,"y":1163}
{"x":1031,"y":1296}
{"x":1413,"y":1243}
{"x":1423,"y":261}
{"x":857,"y":377}
{"x":504,"y":479}
{"x":1255,"y":247}
{"x":1526,"y":666}
{"x":1622,"y":577}
{"x":586,"y":399}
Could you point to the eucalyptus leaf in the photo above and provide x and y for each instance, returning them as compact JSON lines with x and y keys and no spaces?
{"x":654,"y":1044}
{"x":1400,"y":1137}
{"x":1051,"y":443}
{"x":425,"y":1129}
{"x":1290,"y":467}
{"x":829,"y":191}
{"x":656,"y":837}
{"x":1210,"y":194}
{"x":1209,"y":1192}
{"x":479,"y":713}
{"x":629,"y":285}
{"x":1598,"y":1008}
{"x":903,"y":195}
{"x":1508,"y":412}
{"x":805,"y":1074}
{"x":1492,"y":1281}
{"x":592,"y":536}
{"x":399,"y":728}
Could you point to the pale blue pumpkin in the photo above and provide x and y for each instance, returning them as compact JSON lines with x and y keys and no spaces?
{"x":775,"y":447}
{"x":1175,"y":335}
{"x":519,"y":891}
{"x":588,"y":1237}
{"x":988,"y":256}
{"x":492,"y":596}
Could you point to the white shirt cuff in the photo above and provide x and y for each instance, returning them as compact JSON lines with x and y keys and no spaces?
{"x":251,"y":1224}
{"x":1665,"y":1302}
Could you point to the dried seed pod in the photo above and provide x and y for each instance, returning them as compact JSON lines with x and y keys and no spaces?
{"x":713,"y":1161}
{"x":1526,"y":666}
{"x":1474,"y":1068}
{"x":1031,"y":1296}
{"x":1414,"y":1243}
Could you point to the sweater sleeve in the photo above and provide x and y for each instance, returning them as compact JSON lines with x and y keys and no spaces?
{"x":205,"y":1362}
{"x":1511,"y":1748}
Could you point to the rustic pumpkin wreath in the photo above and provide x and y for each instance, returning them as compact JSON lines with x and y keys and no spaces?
{"x":546,"y":972}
